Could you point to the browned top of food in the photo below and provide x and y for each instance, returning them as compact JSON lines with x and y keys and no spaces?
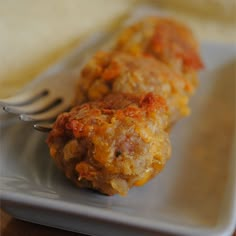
{"x":119,"y":106}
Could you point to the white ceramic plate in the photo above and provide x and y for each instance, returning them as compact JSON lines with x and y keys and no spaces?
{"x":194,"y":195}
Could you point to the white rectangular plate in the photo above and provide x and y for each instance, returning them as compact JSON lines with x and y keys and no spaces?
{"x":194,"y":195}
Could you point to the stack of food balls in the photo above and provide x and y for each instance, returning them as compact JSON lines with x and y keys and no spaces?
{"x":128,"y":98}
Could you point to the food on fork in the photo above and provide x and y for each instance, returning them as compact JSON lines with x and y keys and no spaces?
{"x":127,"y":99}
{"x":112,"y":144}
{"x":121,"y":72}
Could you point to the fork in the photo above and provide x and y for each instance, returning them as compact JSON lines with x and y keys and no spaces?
{"x":53,"y":92}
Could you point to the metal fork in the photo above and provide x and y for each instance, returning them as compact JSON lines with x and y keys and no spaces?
{"x":53,"y":91}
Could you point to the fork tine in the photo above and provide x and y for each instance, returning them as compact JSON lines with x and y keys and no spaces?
{"x":43,"y":127}
{"x":23,"y":98}
{"x":46,"y":115}
{"x":34,"y":107}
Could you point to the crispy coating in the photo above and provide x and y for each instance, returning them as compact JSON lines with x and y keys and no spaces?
{"x":121,"y":72}
{"x":166,"y":40}
{"x":113,"y":144}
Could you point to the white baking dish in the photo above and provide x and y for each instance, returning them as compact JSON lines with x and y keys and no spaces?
{"x":194,"y":195}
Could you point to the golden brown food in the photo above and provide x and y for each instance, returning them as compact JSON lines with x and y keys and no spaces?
{"x":132,"y":95}
{"x":121,"y":72}
{"x":112,"y":144}
{"x":166,"y":40}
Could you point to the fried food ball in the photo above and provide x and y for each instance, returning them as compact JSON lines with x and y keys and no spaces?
{"x":166,"y":40}
{"x":113,"y":144}
{"x":121,"y":72}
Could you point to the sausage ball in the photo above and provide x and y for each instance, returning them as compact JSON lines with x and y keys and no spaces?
{"x":113,"y":144}
{"x":121,"y":72}
{"x":166,"y":40}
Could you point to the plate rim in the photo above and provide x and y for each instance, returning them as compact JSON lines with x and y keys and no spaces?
{"x":78,"y":209}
